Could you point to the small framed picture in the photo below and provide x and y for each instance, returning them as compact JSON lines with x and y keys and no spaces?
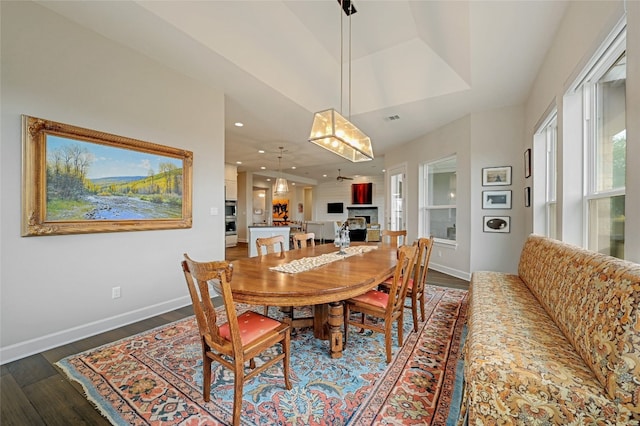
{"x":527,"y":196}
{"x":500,"y":224}
{"x":527,"y":163}
{"x":496,"y":176}
{"x":496,"y":199}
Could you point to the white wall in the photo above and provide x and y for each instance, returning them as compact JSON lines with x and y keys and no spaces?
{"x":497,"y":140}
{"x":632,"y":244}
{"x":453,"y":138}
{"x":582,"y":31}
{"x":500,"y":137}
{"x":340,"y":192}
{"x":57,"y":289}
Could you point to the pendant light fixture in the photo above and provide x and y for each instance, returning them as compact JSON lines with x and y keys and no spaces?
{"x":281,"y":186}
{"x":330,"y":129}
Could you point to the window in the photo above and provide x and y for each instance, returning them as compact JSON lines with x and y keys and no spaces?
{"x":439,"y":199}
{"x":605,"y":142}
{"x":549,"y":132}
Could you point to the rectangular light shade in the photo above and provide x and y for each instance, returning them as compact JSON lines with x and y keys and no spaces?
{"x":332,"y":131}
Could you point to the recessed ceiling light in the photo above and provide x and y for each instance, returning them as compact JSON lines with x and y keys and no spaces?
{"x":293,"y":167}
{"x":293,"y":183}
{"x":238,"y":162}
{"x":263,"y":168}
{"x":268,"y":179}
{"x":238,"y":124}
{"x":324,"y":175}
{"x":261,"y":151}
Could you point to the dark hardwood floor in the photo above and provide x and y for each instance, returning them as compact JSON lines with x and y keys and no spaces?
{"x":34,"y":392}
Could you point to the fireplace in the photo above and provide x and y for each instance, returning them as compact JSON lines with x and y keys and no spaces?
{"x":369,"y":213}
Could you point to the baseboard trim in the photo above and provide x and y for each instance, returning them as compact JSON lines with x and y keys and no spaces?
{"x":450,"y":271}
{"x":53,"y":340}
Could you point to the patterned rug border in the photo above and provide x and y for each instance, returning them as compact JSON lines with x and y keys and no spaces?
{"x":383,"y":385}
{"x":91,"y":392}
{"x":374,"y":404}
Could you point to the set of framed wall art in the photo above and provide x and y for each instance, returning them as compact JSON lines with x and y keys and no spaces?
{"x":527,"y":173}
{"x":498,"y":199}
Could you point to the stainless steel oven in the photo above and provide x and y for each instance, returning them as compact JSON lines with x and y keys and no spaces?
{"x":230,"y":217}
{"x":230,"y":208}
{"x":230,"y":226}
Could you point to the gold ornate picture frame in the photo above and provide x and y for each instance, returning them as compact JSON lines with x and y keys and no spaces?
{"x":77,"y":181}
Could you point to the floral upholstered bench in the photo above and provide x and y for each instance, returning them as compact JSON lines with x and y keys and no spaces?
{"x":559,"y":343}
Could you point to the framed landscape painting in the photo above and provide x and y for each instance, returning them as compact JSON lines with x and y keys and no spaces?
{"x":76,"y":180}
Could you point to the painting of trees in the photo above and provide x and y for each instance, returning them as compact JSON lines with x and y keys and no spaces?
{"x":78,"y":180}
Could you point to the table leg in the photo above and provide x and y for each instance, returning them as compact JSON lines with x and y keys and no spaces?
{"x":336,"y":321}
{"x":320,"y":321}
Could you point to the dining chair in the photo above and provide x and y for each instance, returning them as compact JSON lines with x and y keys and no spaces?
{"x":301,"y":240}
{"x":394,"y":237}
{"x":268,"y":245}
{"x":417,"y":283}
{"x":240,"y":339}
{"x":388,"y":307}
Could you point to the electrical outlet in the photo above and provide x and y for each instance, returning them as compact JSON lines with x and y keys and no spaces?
{"x":115,"y":292}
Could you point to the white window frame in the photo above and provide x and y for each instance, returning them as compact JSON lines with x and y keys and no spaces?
{"x":551,"y":173}
{"x":589,"y":87}
{"x":425,"y":209}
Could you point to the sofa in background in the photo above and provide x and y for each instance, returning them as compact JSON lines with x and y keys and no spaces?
{"x":558,"y":344}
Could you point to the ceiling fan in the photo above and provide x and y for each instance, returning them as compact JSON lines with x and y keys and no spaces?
{"x":340,"y":178}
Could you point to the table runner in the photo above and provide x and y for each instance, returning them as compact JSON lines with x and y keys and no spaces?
{"x":308,"y":263}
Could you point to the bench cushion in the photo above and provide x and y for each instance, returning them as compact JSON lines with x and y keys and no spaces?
{"x":520,"y":368}
{"x":594,"y":299}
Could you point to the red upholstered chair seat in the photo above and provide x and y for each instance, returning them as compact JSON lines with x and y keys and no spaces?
{"x":242,"y":338}
{"x":374,"y":298}
{"x":252,"y":326}
{"x":382,"y":308}
{"x":389,"y":281}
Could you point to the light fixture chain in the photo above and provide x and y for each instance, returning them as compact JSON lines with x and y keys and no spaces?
{"x":341,"y":55}
{"x":350,"y":64}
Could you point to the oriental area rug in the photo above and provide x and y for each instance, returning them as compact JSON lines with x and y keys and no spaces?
{"x":155,"y":378}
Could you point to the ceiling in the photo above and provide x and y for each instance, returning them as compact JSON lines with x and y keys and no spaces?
{"x":415,"y":66}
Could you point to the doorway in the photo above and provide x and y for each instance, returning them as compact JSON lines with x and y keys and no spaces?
{"x":396,"y":198}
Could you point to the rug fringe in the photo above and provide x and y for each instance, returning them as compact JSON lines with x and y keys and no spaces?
{"x":67,"y":369}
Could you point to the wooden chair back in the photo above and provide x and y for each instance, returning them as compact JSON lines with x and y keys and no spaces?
{"x":304,"y":240}
{"x":197,"y":275}
{"x":396,"y":238}
{"x":371,"y":303}
{"x":425,"y":246}
{"x":227,"y":348}
{"x":267,"y":245}
{"x":401,"y":275}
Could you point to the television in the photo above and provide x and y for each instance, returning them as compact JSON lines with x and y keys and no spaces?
{"x":362,"y":193}
{"x":335,"y":207}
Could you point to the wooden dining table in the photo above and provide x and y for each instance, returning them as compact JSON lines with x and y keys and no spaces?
{"x":323,"y":287}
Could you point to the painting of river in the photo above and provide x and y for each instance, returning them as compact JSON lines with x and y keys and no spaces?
{"x":95,"y":182}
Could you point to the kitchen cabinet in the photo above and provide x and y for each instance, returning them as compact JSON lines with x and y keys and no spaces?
{"x":230,"y":182}
{"x":230,"y":190}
